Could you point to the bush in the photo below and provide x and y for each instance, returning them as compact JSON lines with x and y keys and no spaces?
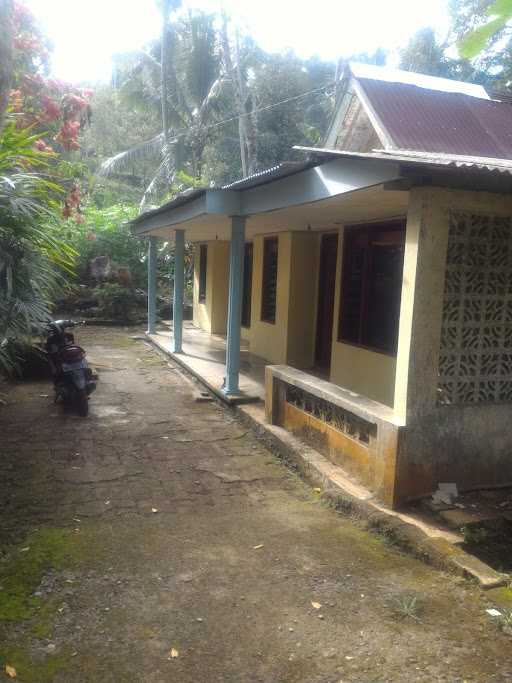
{"x":118,"y":302}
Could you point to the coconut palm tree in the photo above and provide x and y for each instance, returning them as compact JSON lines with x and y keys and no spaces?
{"x":186,"y":79}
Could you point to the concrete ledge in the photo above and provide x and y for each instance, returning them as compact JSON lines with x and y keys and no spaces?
{"x":427,"y":542}
{"x":363,"y":407}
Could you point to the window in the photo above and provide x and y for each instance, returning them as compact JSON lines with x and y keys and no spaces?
{"x":203,"y":263}
{"x":373,"y":257}
{"x":247,"y":286}
{"x":269,"y":287}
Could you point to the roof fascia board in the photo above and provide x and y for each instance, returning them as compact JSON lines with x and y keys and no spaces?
{"x":339,"y":115}
{"x":380,"y":129}
{"x":327,"y":180}
{"x":173,"y":216}
{"x":226,"y":202}
{"x":223,"y":202}
{"x":324,"y":181}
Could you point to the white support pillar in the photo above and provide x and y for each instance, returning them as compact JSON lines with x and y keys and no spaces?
{"x":152,"y":285}
{"x":179,"y":279}
{"x":236,"y":272}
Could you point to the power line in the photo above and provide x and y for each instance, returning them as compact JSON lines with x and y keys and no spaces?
{"x":184,"y":131}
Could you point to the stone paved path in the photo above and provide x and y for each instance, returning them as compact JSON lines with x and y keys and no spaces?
{"x":161,"y":526}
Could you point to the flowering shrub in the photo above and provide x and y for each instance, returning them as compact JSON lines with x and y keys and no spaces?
{"x":53,"y":109}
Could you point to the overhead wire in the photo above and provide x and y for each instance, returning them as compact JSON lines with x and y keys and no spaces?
{"x":184,"y":131}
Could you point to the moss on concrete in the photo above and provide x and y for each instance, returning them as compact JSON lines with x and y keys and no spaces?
{"x":25,"y":565}
{"x":32,"y":671}
{"x":502,"y":596}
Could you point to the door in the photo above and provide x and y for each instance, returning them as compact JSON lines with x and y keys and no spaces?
{"x":326,"y":285}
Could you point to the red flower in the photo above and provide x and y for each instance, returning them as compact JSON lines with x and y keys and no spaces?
{"x":51,"y":110}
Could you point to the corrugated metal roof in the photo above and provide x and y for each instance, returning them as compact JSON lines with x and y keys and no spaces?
{"x":286,"y":168}
{"x":415,"y":158}
{"x":386,"y":73}
{"x":183,"y":198}
{"x":444,"y":122}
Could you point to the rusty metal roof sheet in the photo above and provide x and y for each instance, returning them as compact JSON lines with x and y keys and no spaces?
{"x":415,"y":158}
{"x":417,"y":118}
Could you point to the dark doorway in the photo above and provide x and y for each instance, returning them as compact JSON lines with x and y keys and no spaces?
{"x":325,"y":315}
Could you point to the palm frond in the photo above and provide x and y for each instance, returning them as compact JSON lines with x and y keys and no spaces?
{"x":164,"y":174}
{"x":126,"y":158}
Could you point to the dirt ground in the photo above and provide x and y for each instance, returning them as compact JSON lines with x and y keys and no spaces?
{"x":159,"y":541}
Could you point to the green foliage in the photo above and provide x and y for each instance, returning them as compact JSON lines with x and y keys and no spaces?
{"x":498,"y":14}
{"x":33,"y":260}
{"x":116,"y":302}
{"x":104,"y":232}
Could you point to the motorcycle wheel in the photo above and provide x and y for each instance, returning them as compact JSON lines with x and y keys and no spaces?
{"x":82,"y":403}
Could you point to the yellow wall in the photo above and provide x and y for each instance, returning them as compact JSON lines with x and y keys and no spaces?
{"x":268,"y":340}
{"x":365,"y":372}
{"x":291,"y":339}
{"x":302,"y":306}
{"x":211,"y":315}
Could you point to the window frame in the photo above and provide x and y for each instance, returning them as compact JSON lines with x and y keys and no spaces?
{"x":369,"y":231}
{"x":274,"y":239}
{"x":203,"y":268}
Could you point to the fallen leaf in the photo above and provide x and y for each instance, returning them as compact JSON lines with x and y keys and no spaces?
{"x":349,"y":657}
{"x":173,"y":653}
{"x":317,"y":490}
{"x":10,"y":671}
{"x":257,"y":547}
{"x":316,"y":605}
{"x":43,"y":395}
{"x":25,"y":550}
{"x":154,"y":509}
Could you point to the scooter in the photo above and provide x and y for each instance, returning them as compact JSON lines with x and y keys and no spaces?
{"x":73,"y":379}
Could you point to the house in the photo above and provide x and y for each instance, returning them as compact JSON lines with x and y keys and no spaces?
{"x":373,"y":281}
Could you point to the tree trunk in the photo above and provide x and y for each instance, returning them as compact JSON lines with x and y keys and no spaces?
{"x":164,"y":75}
{"x":6,"y":7}
{"x":247,"y":129}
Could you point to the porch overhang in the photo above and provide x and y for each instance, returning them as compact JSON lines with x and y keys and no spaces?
{"x":202,"y":213}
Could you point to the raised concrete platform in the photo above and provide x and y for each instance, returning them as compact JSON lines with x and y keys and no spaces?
{"x":204,"y":356}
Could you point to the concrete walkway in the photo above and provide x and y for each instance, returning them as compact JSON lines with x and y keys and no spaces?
{"x":159,"y":541}
{"x":204,"y":355}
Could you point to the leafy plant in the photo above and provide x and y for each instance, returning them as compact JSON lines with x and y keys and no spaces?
{"x":408,"y":607}
{"x":116,"y":301}
{"x":498,"y":14}
{"x":32,"y":260}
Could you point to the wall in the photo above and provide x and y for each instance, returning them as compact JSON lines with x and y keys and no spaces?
{"x":360,"y":370}
{"x":468,"y":442}
{"x":356,"y":132}
{"x":302,"y":305}
{"x":291,"y":339}
{"x":269,"y":341}
{"x":211,"y":315}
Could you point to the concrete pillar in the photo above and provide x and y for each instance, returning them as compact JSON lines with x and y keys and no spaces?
{"x":421,"y":308}
{"x":179,"y":278}
{"x":236,"y":272}
{"x":152,"y":285}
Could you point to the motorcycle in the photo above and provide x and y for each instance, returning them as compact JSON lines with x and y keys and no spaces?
{"x":73,"y":379}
